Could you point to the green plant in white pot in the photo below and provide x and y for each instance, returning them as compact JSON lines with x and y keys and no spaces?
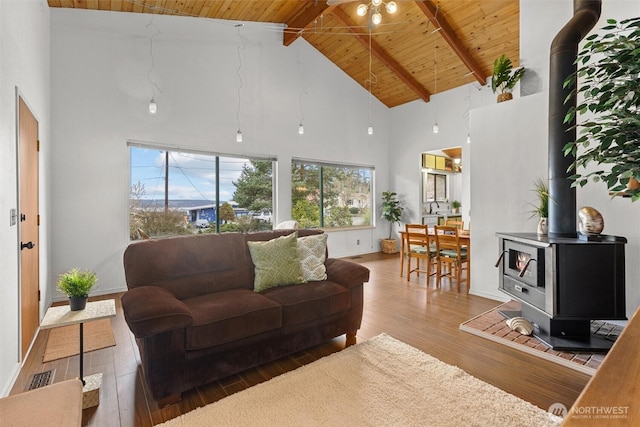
{"x":392,"y":212}
{"x":608,"y":148}
{"x":541,"y":208}
{"x":76,"y":285}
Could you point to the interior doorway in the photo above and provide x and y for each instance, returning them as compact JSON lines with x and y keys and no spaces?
{"x":29,"y":221}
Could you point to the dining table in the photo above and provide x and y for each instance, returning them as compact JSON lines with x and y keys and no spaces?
{"x":465,"y":240}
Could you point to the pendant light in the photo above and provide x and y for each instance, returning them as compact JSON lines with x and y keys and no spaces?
{"x":370,"y":80}
{"x":239,"y":49}
{"x":302,"y":92}
{"x":436,"y":128}
{"x":153,"y":106}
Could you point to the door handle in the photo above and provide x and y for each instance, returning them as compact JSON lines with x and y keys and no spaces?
{"x":28,"y":245}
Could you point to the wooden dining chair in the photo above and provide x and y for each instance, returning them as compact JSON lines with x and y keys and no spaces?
{"x":420,"y":246}
{"x":451,"y":254}
{"x":454,"y":223}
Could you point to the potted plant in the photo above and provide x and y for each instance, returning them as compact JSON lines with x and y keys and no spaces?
{"x":455,"y":206}
{"x":608,"y":147}
{"x":391,"y":211}
{"x":541,"y":208}
{"x":505,"y":78}
{"x":76,"y":285}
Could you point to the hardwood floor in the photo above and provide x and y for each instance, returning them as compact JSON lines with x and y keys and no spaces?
{"x":426,"y":318}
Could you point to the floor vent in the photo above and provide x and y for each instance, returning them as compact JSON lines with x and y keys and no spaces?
{"x":42,"y":379}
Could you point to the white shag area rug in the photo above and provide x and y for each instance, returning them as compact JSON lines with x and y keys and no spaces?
{"x":380,"y":382}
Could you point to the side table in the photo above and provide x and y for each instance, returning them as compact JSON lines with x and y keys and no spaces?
{"x":59,"y":316}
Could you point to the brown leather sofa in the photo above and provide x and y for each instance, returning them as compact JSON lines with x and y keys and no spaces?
{"x":196,"y":318}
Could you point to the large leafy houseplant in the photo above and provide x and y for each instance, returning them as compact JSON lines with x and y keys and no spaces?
{"x":505,"y":77}
{"x":608,"y":147}
{"x":391,"y":209}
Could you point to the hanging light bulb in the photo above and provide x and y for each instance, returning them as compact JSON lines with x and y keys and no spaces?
{"x":239,"y":136}
{"x":370,"y":129}
{"x":436,"y":129}
{"x":468,"y":138}
{"x":376,"y":2}
{"x":362,"y":10}
{"x":376,"y":18}
{"x":300,"y":129}
{"x":153,"y":107}
{"x":391,"y":7}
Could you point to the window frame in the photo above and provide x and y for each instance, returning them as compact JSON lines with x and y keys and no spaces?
{"x":217,"y":156}
{"x":321,"y":197}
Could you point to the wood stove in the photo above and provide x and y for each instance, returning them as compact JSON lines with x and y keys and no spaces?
{"x":564,"y":283}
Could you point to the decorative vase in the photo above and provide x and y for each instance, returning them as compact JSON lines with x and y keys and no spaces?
{"x":77,"y":303}
{"x":591,"y":221}
{"x":543,"y":227}
{"x":507,"y":96}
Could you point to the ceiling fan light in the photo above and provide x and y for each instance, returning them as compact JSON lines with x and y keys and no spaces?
{"x":376,"y":18}
{"x":376,"y":2}
{"x":362,"y":10}
{"x":391,"y":7}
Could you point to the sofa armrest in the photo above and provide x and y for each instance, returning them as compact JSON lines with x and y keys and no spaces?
{"x":151,"y":310}
{"x":346,"y":273}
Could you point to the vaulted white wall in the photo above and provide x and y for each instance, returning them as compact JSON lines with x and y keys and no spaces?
{"x":100,"y":92}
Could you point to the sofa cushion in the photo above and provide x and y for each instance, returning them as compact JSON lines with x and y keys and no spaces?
{"x":276,"y":262}
{"x":309,"y":301}
{"x":227,"y":316}
{"x":312,"y":251}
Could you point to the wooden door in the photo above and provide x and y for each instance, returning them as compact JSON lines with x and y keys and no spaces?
{"x":29,"y":245}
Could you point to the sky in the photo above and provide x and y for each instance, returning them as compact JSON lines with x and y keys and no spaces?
{"x":191,"y":176}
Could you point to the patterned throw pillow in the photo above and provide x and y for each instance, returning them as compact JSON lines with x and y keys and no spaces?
{"x":276,"y":262}
{"x":312,"y":251}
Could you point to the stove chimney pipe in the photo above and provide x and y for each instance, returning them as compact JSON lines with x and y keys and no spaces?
{"x":564,"y":51}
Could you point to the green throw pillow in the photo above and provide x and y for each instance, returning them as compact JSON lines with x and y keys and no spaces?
{"x":276,"y":262}
{"x":312,"y":251}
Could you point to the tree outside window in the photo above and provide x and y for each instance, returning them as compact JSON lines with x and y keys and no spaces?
{"x":330,"y":196}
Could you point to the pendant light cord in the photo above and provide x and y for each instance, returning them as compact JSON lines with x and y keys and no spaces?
{"x":153,"y":62}
{"x":239,"y":49}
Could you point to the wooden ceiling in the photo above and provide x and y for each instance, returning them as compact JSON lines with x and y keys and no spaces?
{"x":426,"y":47}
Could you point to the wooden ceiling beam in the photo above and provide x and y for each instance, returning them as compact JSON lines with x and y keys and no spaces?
{"x":297,"y":25}
{"x":382,"y":56}
{"x":447,"y":33}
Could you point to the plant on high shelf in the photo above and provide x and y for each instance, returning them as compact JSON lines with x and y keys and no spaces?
{"x":505,"y":78}
{"x":541,"y":208}
{"x":76,"y":285}
{"x":609,"y":144}
{"x":455,"y":206}
{"x":392,"y":212}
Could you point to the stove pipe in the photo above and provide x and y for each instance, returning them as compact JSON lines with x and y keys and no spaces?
{"x":564,"y":51}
